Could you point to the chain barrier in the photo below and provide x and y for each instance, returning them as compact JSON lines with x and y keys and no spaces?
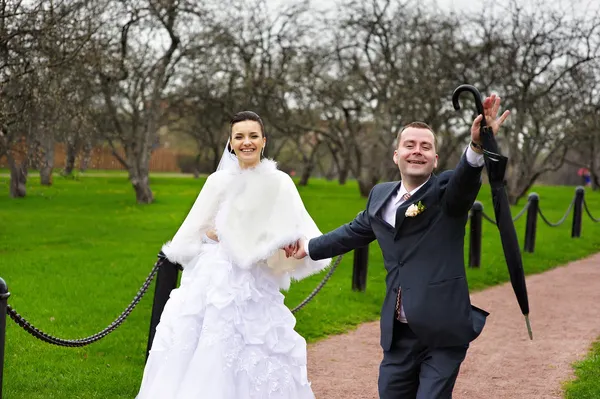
{"x":587,"y":210}
{"x":521,"y":213}
{"x":517,"y":217}
{"x":321,"y":285}
{"x":562,"y":220}
{"x":37,"y":333}
{"x":486,"y":217}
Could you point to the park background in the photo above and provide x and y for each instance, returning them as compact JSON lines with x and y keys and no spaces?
{"x":113,"y":113}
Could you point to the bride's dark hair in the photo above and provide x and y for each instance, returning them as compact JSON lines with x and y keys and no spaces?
{"x":245,"y":116}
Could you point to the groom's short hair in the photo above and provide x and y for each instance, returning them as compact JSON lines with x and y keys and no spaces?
{"x":417,"y":125}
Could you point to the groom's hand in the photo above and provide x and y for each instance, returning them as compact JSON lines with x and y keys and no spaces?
{"x":300,"y":253}
{"x":491,"y":107}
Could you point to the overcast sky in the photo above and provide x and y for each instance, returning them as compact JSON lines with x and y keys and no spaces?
{"x":474,"y":6}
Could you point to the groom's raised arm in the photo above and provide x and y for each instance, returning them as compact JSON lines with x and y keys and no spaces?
{"x":345,"y":238}
{"x":350,"y":236}
{"x":464,"y":184}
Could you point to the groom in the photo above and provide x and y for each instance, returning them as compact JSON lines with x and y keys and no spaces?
{"x":427,"y":320}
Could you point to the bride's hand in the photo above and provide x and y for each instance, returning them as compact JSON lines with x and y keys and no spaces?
{"x":212,"y":235}
{"x":290,"y":249}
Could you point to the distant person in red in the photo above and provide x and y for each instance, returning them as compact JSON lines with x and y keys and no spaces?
{"x":586,"y":176}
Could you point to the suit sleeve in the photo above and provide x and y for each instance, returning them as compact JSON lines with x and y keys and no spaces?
{"x":350,"y":236}
{"x":464,"y":184}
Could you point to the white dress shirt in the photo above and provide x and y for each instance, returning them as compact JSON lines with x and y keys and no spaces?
{"x":389,"y":211}
{"x":389,"y":215}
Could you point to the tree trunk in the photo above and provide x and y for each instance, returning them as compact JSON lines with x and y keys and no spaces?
{"x":18,"y":178}
{"x":141,"y":184}
{"x":337,"y":165}
{"x":366,"y":185}
{"x":368,"y":169}
{"x":327,"y":172}
{"x":86,"y":155}
{"x":46,"y":161}
{"x":309,"y":165}
{"x":306,"y":172}
{"x":197,"y":166}
{"x":596,"y":181}
{"x":46,"y":175}
{"x":217,"y":153}
{"x":344,"y":165}
{"x":70,"y":156}
{"x":331,"y":172}
{"x":343,"y":176}
{"x":366,"y":181}
{"x":138,"y":161}
{"x":521,"y":179}
{"x":517,"y":190}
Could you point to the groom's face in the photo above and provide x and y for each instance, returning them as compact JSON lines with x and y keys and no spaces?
{"x":416,"y":156}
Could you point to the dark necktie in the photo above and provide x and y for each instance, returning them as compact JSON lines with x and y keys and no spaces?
{"x":404,"y":198}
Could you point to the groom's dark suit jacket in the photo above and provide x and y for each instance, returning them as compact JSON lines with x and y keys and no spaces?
{"x":423,"y":254}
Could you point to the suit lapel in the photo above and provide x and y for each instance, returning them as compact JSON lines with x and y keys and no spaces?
{"x":386,"y":195}
{"x":416,"y":197}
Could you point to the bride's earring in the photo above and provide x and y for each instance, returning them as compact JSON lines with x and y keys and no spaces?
{"x":262,"y":152}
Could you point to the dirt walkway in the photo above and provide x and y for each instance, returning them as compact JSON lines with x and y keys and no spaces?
{"x":502,"y":363}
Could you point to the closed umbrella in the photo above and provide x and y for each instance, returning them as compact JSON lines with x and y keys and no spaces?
{"x":495,"y":164}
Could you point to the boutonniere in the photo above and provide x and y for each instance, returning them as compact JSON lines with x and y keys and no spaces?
{"x":414,"y":209}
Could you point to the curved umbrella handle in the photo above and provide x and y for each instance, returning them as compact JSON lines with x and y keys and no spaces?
{"x":495,"y":165}
{"x":487,"y":136}
{"x":476,"y":94}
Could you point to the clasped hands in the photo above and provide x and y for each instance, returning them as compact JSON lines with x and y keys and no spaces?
{"x":295,"y":249}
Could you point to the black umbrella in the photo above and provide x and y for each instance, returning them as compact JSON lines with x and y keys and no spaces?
{"x":495,"y":164}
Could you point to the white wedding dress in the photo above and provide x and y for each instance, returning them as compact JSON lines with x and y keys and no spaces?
{"x":226,"y":333}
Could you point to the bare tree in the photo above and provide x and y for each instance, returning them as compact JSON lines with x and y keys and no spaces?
{"x":135,"y":66}
{"x":36,"y":38}
{"x":584,"y":112}
{"x":257,"y":60}
{"x":392,"y":63}
{"x":530,"y":57}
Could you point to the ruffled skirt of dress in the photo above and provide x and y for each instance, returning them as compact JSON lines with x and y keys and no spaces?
{"x":226,"y":333}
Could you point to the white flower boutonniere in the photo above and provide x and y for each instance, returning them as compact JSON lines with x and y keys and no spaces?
{"x":414,"y":209}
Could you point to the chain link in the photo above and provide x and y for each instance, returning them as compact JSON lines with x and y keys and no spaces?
{"x":521,"y":213}
{"x":486,"y":217}
{"x":37,"y":333}
{"x":587,"y":210}
{"x":562,"y":220}
{"x":517,"y":217}
{"x":27,"y":326}
{"x":318,"y":288}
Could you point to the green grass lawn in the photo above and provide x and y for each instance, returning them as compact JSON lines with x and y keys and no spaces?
{"x":75,"y":254}
{"x":587,"y":372}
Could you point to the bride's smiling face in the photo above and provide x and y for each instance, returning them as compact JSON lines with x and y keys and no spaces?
{"x":247,"y":141}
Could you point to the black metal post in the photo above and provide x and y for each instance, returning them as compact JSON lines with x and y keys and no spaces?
{"x":577,"y":212}
{"x":359,"y":272}
{"x":4,"y":294}
{"x":531,"y":226}
{"x":475,"y":235}
{"x":166,"y":281}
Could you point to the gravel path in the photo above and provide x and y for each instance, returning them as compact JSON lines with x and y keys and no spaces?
{"x":502,"y":363}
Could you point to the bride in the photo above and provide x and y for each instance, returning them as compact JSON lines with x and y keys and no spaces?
{"x":225,"y":333}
